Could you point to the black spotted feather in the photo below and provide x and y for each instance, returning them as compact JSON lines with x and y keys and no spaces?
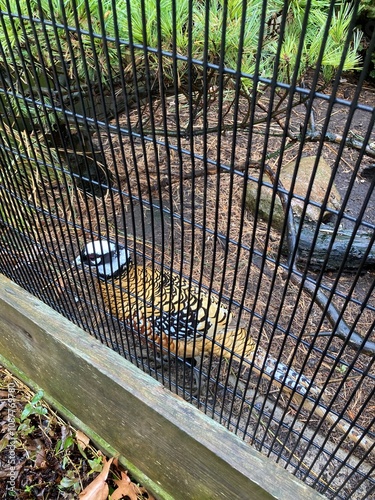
{"x":178,"y":316}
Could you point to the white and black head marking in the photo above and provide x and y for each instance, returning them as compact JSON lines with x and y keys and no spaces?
{"x":110,"y":259}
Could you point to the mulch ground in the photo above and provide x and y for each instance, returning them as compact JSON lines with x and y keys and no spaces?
{"x":172,"y":225}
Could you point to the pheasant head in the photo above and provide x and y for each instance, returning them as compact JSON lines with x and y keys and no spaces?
{"x":109,"y":259}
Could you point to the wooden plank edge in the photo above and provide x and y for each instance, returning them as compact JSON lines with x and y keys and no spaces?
{"x":98,"y":441}
{"x":171,"y":442}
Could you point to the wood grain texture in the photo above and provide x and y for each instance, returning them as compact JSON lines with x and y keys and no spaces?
{"x":185,"y":452}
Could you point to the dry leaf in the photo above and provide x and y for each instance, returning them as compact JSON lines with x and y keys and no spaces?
{"x":5,"y":472}
{"x":125,"y":488}
{"x":65,"y":432}
{"x":98,"y":489}
{"x":41,"y":456}
{"x":82,"y":439}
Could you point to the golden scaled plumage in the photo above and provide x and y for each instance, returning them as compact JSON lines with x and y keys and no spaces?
{"x":183,"y":319}
{"x":141,"y":295}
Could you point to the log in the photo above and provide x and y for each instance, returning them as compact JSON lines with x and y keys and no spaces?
{"x":361,"y":249}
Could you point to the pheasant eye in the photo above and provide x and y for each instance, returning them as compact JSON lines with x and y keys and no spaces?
{"x":92,"y":257}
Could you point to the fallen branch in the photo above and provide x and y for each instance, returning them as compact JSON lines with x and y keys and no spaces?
{"x":346,"y":249}
{"x":350,"y":141}
{"x":339,"y":326}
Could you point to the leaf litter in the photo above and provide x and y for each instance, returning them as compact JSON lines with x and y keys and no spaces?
{"x":44,"y":457}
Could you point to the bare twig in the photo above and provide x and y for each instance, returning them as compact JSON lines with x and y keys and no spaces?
{"x":313,"y":135}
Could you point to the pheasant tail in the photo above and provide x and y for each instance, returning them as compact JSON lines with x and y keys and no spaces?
{"x":304,"y":392}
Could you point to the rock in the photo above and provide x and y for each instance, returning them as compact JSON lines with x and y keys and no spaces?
{"x":318,"y":192}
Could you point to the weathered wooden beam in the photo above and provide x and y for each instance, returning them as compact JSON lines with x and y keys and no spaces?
{"x":179,"y":448}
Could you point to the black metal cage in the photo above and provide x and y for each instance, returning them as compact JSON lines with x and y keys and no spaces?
{"x":230,"y":146}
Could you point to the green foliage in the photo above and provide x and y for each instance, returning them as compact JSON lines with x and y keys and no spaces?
{"x":34,"y":408}
{"x":222,"y":24}
{"x":30,"y":166}
{"x":70,"y":480}
{"x":314,"y":40}
{"x":25,"y":428}
{"x":368,"y":13}
{"x":76,"y":47}
{"x":368,"y":7}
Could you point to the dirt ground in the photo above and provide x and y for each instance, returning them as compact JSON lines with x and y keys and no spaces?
{"x":199,"y":228}
{"x":171,"y":222}
{"x":173,"y":238}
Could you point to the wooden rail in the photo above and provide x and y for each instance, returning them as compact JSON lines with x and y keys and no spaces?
{"x":172,"y":448}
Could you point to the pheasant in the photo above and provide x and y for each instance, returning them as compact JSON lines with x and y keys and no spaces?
{"x":179,"y":317}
